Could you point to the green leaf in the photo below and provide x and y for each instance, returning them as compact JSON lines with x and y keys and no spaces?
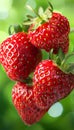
{"x":61,"y":55}
{"x":70,"y":68}
{"x":51,"y":54}
{"x":40,"y":11}
{"x":14,"y":29}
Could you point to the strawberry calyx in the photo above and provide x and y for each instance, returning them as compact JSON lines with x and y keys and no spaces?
{"x":63,"y":61}
{"x":67,"y":64}
{"x":28,"y":81}
{"x":50,"y":6}
{"x":42,"y":17}
{"x":14,"y":29}
{"x":17,"y":28}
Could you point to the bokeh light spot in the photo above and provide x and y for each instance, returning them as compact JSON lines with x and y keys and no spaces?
{"x":5,"y":6}
{"x":56,"y":110}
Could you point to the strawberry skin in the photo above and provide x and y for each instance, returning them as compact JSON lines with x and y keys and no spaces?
{"x":18,"y":56}
{"x":51,"y":84}
{"x":52,"y":34}
{"x":23,"y":100}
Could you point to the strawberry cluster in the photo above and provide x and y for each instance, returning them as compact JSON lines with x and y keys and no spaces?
{"x":21,"y":55}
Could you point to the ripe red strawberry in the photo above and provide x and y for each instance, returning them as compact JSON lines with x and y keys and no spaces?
{"x":18,"y":56}
{"x":23,"y":100}
{"x":51,"y":84}
{"x":51,"y":34}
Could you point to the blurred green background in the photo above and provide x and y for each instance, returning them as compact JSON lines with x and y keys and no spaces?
{"x":61,"y":115}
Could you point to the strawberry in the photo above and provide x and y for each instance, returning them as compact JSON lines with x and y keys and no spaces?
{"x":53,"y":33}
{"x":18,"y":56}
{"x":23,"y":100}
{"x":51,"y":84}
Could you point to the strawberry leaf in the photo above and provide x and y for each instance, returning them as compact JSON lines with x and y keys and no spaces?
{"x":14,"y":29}
{"x":40,"y":11}
{"x":51,"y":54}
{"x":70,"y":68}
{"x":61,"y":55}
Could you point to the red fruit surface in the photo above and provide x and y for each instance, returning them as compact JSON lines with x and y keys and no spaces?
{"x":23,"y":100}
{"x":18,"y":56}
{"x":51,"y":84}
{"x":52,"y":34}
